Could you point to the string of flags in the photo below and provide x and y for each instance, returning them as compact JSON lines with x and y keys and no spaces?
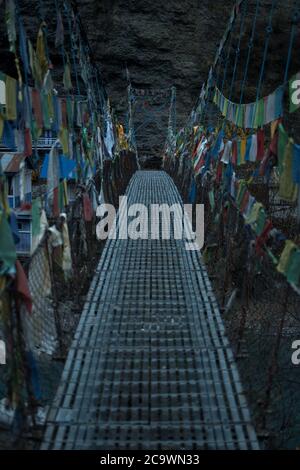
{"x":82,"y":129}
{"x":251,"y":115}
{"x":56,"y":135}
{"x":234,"y":13}
{"x":220,"y":154}
{"x":294,"y":92}
{"x":261,"y":112}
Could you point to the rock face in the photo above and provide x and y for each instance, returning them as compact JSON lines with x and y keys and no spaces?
{"x":166,"y":44}
{"x":173,"y":43}
{"x":163,"y":44}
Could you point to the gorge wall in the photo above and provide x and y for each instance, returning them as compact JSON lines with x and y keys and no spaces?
{"x":165,"y":44}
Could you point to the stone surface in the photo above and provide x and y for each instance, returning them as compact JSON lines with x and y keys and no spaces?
{"x":173,"y":43}
{"x":165,"y":44}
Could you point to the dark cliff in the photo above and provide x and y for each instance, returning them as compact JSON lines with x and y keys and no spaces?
{"x":163,"y":44}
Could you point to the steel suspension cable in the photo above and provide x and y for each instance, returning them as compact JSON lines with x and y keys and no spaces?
{"x":250,"y":47}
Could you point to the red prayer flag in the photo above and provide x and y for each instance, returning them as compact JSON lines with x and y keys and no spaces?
{"x":21,"y":286}
{"x":260,"y":144}
{"x":87,"y":208}
{"x":37,"y":107}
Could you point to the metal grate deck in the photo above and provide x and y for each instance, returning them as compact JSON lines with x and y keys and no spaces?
{"x":150,"y":366}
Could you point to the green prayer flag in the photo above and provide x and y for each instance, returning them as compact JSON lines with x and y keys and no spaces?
{"x":46,"y":111}
{"x":211,"y":199}
{"x":241,"y":193}
{"x":260,"y":222}
{"x":225,"y":107}
{"x":7,"y":247}
{"x":282,"y":143}
{"x":293,"y":268}
{"x":61,"y":201}
{"x":67,"y":77}
{"x":239,"y":118}
{"x":294,"y":92}
{"x":287,"y":189}
{"x":36,"y":216}
{"x":289,"y":249}
{"x":259,"y":115}
{"x":272,"y":256}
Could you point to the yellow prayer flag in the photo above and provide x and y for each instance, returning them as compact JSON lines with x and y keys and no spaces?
{"x":63,"y":137}
{"x":11,"y":98}
{"x":41,"y":50}
{"x":243,"y":149}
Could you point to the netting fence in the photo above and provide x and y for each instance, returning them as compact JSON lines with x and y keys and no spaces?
{"x":37,"y":342}
{"x":260,"y":309}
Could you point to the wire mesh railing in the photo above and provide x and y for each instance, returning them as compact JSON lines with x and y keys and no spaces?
{"x":37,"y":342}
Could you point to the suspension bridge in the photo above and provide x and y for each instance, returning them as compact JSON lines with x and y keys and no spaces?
{"x":174,"y":349}
{"x":150,"y":366}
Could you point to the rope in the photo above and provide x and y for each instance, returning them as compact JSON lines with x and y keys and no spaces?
{"x":250,"y":46}
{"x":295,"y":20}
{"x":237,"y":53}
{"x":227,"y":60}
{"x":62,"y":49}
{"x":238,"y":50}
{"x":228,"y":55}
{"x":269,"y":31}
{"x":21,"y":25}
{"x":68,"y":12}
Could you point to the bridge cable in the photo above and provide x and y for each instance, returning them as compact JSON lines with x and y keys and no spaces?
{"x":295,"y":21}
{"x":250,"y":46}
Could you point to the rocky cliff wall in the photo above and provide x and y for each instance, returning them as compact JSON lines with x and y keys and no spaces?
{"x":164,"y":44}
